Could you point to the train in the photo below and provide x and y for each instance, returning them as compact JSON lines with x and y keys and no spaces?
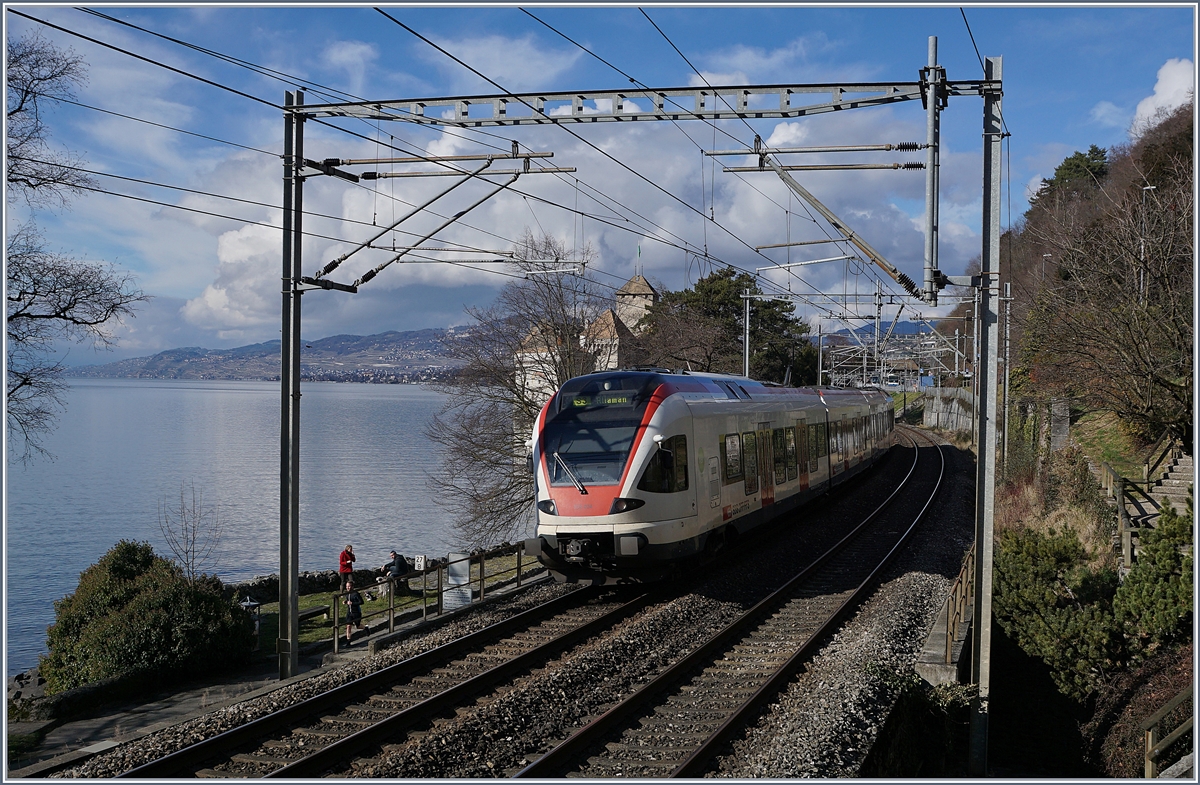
{"x":640,"y":472}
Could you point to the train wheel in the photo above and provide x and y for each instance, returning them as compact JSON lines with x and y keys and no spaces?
{"x":715,"y":542}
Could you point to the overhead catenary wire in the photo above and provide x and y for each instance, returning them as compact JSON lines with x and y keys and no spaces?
{"x":268,"y":103}
{"x":718,"y":95}
{"x":606,"y":154}
{"x":292,"y":80}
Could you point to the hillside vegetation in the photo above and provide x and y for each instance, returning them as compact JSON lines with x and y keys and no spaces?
{"x":1102,"y":278}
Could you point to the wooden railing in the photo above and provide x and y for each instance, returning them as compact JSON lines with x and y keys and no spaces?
{"x":514,"y":567}
{"x":1164,"y":449}
{"x":1155,"y":747}
{"x":962,"y":597}
{"x":1115,"y":487}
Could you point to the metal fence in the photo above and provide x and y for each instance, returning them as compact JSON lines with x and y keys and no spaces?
{"x":486,"y":571}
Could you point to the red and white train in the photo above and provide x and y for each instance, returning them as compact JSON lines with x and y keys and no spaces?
{"x":639,"y":471}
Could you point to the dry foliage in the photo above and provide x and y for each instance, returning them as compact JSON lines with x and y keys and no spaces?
{"x":516,"y":354}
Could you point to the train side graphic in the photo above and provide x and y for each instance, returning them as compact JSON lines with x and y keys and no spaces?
{"x":640,"y":471}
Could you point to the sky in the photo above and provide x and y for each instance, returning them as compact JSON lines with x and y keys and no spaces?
{"x":1073,"y":76}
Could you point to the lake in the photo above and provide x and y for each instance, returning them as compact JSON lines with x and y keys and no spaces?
{"x":124,"y":446}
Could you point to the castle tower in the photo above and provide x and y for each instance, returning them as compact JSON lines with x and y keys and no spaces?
{"x":634,"y":300}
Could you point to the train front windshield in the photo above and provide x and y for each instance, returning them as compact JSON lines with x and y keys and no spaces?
{"x":593,"y":427}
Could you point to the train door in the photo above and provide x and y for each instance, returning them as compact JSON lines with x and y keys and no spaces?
{"x":835,"y":448}
{"x":766,"y":464}
{"x":714,"y":482}
{"x":802,"y":453}
{"x":779,"y":445}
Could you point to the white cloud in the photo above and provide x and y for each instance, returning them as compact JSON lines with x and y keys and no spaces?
{"x":353,"y":58}
{"x":240,"y":297}
{"x":1108,"y":114}
{"x":519,"y":64}
{"x":1172,"y":89}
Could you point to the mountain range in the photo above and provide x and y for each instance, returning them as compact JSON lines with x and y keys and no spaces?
{"x":392,"y":357}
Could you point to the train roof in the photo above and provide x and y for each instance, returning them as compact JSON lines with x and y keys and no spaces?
{"x":753,"y":388}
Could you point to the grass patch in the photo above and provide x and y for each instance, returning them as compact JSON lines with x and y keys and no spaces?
{"x":1103,"y":439}
{"x":20,"y":746}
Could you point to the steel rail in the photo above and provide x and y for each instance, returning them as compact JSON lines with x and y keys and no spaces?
{"x":695,"y":763}
{"x":179,"y":761}
{"x":322,"y":760}
{"x":553,"y":760}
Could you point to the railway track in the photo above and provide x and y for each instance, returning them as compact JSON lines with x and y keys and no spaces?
{"x":671,"y":725}
{"x":310,"y":737}
{"x":678,"y":722}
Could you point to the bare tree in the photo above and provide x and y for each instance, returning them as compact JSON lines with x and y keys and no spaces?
{"x":1112,"y":327}
{"x":39,"y":75}
{"x":516,"y":354}
{"x":51,"y":297}
{"x":191,"y":530}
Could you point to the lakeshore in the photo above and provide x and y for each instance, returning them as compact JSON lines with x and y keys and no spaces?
{"x":124,"y":446}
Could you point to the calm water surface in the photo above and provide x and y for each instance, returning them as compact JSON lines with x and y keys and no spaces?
{"x":124,"y":446}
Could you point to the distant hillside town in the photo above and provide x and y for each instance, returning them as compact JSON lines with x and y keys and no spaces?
{"x":412,"y":357}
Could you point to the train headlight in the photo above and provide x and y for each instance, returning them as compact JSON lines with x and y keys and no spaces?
{"x":547,"y":506}
{"x":625,"y":505}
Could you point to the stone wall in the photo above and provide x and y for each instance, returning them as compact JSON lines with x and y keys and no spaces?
{"x":265,"y":588}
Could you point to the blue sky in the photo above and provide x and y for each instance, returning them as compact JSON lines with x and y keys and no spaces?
{"x":1073,"y":76}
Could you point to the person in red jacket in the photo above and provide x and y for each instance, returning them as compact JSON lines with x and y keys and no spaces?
{"x":346,"y":564}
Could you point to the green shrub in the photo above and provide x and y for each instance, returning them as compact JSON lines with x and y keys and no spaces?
{"x":135,"y":614}
{"x":1154,"y":603}
{"x":1055,"y":607}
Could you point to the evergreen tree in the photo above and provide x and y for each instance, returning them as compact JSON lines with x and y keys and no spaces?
{"x":135,"y":613}
{"x":701,"y":328}
{"x":1154,"y":604}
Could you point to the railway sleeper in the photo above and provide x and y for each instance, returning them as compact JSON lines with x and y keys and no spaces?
{"x":704,"y":688}
{"x":342,"y":719}
{"x":318,"y":733}
{"x":213,"y":774}
{"x":624,"y":748}
{"x":258,"y":759}
{"x":709,"y":703}
{"x":722,"y":668}
{"x":368,"y":708}
{"x":603,"y":768}
{"x":689,"y":713}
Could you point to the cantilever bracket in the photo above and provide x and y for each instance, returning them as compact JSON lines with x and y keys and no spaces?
{"x":325,"y":168}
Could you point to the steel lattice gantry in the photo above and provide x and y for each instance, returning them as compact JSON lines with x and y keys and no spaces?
{"x":727,"y":102}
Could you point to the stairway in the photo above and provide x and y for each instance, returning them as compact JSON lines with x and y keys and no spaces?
{"x":1173,"y":488}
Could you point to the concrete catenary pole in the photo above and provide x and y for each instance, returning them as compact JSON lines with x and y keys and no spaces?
{"x":746,"y":336}
{"x":820,"y":355}
{"x":287,"y":644}
{"x":985,"y":479}
{"x":934,"y":80}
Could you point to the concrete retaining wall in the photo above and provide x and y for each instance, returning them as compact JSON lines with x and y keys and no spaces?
{"x":949,"y":408}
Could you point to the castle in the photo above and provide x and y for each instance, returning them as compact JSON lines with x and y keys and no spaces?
{"x":605,"y":344}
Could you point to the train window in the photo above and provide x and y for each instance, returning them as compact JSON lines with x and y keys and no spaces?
{"x":750,"y":462}
{"x":793,"y":470}
{"x":780,"y":443}
{"x":731,"y":457}
{"x":822,"y":441}
{"x":667,"y":470}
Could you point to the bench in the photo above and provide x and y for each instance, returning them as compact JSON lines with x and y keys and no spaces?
{"x":311,"y":613}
